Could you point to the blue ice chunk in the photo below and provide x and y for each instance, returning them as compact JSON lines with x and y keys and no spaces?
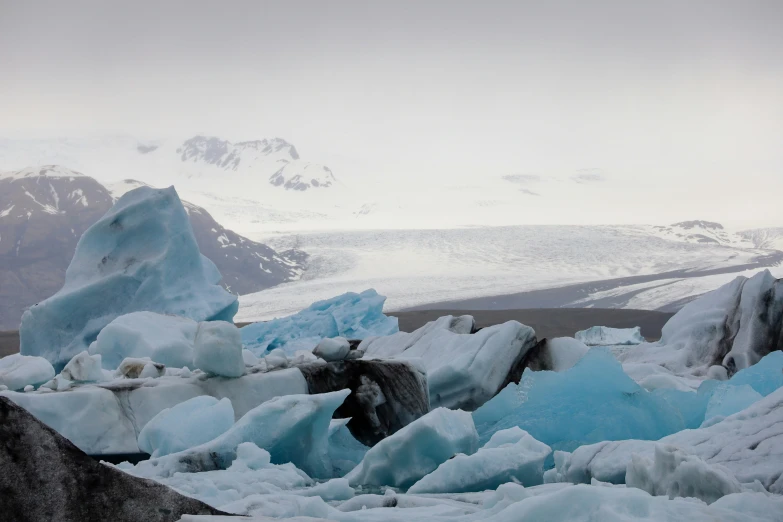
{"x":691,"y":405}
{"x":186,"y":425}
{"x":591,"y":402}
{"x":345,"y":452}
{"x":141,"y":255}
{"x":727,"y":400}
{"x":351,"y":315}
{"x":765,"y":376}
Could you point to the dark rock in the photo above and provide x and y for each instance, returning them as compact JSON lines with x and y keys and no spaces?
{"x":45,"y":477}
{"x":386,"y":395}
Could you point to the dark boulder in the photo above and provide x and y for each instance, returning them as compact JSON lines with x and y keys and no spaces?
{"x":45,"y":477}
{"x":386,"y":395}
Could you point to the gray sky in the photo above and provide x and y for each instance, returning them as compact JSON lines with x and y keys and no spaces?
{"x":688,"y":91}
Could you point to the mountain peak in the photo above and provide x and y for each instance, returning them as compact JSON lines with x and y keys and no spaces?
{"x":228,"y":156}
{"x":698,"y":223}
{"x":49,"y":171}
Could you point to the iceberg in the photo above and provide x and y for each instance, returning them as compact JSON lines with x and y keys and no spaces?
{"x":217,"y":349}
{"x":734,"y":326}
{"x":416,"y":450}
{"x":334,"y":349}
{"x":140,"y":256}
{"x":591,"y":402}
{"x":463,"y":370}
{"x":167,"y":339}
{"x":83,"y":368}
{"x":188,"y":424}
{"x":351,"y":315}
{"x":292,"y":428}
{"x":511,"y":455}
{"x":18,"y":371}
{"x":606,"y":336}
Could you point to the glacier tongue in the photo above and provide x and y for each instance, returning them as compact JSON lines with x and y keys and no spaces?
{"x":140,"y":256}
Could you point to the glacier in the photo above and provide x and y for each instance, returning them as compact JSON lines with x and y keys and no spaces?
{"x":140,"y":256}
{"x":351,"y":315}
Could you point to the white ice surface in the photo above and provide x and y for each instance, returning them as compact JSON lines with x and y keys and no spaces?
{"x":167,"y":339}
{"x":18,"y":371}
{"x":417,"y":449}
{"x":675,"y":473}
{"x":217,"y":349}
{"x":185,"y":425}
{"x":511,"y":455}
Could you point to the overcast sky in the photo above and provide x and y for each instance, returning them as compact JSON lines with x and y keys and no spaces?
{"x":688,"y":94}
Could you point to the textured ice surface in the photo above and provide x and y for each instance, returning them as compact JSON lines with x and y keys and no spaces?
{"x":463,"y":370}
{"x":218,"y":349}
{"x":292,"y":428}
{"x":18,"y":371}
{"x":167,"y":339}
{"x":511,"y":455}
{"x":188,"y":424}
{"x":748,"y":443}
{"x":351,"y":315}
{"x":334,"y":349}
{"x":83,"y":367}
{"x":140,"y":256}
{"x":606,"y":336}
{"x":417,"y":449}
{"x":675,"y":473}
{"x":593,"y":401}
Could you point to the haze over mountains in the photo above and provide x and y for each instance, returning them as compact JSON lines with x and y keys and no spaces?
{"x":420,"y":248}
{"x":264,"y":187}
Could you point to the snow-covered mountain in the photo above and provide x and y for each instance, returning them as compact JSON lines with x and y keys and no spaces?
{"x":771,"y":238}
{"x":44,"y":211}
{"x":699,"y":231}
{"x":257,"y":158}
